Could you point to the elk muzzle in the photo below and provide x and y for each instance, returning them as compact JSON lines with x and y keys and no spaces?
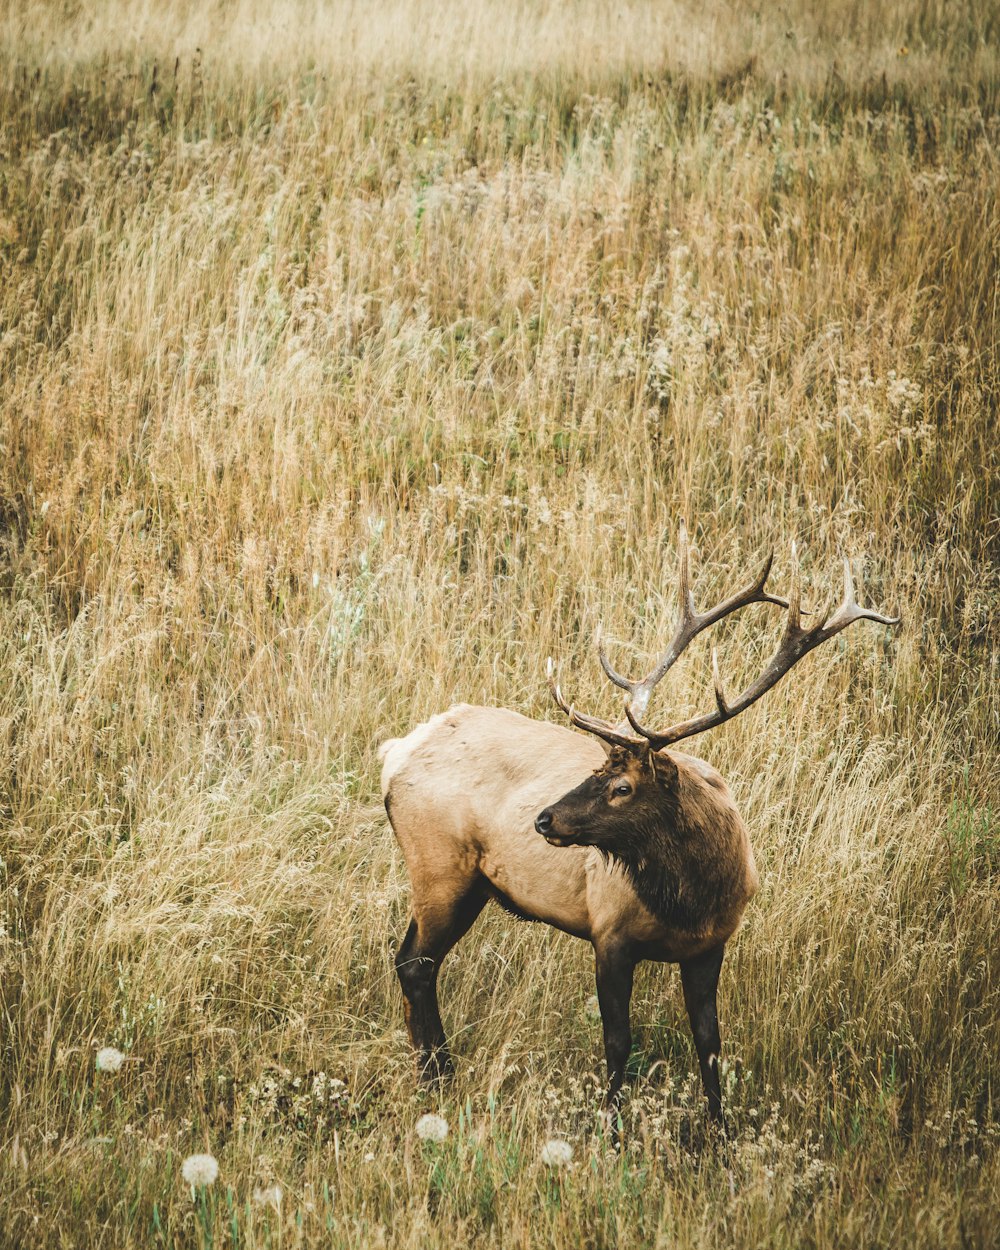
{"x":545,"y":825}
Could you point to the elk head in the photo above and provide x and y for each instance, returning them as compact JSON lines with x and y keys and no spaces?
{"x":630,"y":795}
{"x":634,"y":793}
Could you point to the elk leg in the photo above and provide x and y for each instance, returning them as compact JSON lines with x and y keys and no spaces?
{"x":432,"y":932}
{"x":615,"y":969}
{"x":700,"y":978}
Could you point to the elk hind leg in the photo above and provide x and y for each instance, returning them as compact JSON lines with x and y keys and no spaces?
{"x":434,"y":929}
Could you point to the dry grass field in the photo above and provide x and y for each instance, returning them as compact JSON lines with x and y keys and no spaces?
{"x":353,"y":360}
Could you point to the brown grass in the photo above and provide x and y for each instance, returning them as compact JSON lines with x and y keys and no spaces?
{"x":352,"y":363}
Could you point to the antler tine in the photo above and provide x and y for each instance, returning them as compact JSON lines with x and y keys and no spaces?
{"x":720,"y":698}
{"x":592,"y":724}
{"x":553,"y":685}
{"x":795,"y":594}
{"x":849,"y":610}
{"x":684,"y":596}
{"x":612,"y":674}
{"x":795,"y":643}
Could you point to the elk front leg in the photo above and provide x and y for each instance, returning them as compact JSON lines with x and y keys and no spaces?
{"x":615,"y":970}
{"x":700,"y":978}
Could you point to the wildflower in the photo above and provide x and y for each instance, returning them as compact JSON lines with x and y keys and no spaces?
{"x":268,"y":1195}
{"x":432,"y":1128}
{"x":198,"y":1170}
{"x":328,"y":1088}
{"x":109,"y":1059}
{"x":557,"y":1153}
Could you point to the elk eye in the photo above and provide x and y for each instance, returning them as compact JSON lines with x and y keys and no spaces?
{"x":623,"y":787}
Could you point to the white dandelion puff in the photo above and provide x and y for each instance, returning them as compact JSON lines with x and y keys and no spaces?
{"x":592,"y":1008}
{"x":432,"y":1128}
{"x":199,"y":1170}
{"x":268,"y":1195}
{"x":557,"y":1153}
{"x":109,"y":1059}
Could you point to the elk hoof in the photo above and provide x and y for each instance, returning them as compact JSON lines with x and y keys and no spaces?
{"x":435,"y":1067}
{"x":610,"y":1121}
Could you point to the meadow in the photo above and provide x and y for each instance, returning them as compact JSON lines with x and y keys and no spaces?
{"x":355,"y":359}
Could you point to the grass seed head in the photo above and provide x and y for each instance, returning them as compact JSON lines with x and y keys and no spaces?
{"x":199,"y":1171}
{"x":557,"y":1153}
{"x":109,"y":1059}
{"x":433,"y":1128}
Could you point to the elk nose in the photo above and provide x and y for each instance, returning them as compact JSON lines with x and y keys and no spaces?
{"x":543,"y":822}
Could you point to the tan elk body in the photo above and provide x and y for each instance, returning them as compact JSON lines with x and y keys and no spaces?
{"x":463,"y":791}
{"x":612,"y":838}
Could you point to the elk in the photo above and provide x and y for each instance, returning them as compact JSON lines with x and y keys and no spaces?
{"x":614,"y":837}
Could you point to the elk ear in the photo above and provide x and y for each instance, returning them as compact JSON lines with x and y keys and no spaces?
{"x":664,"y":769}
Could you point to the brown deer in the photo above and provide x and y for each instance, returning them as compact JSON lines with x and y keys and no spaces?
{"x":638,"y":849}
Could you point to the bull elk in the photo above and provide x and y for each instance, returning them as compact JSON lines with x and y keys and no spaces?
{"x":636,"y":848}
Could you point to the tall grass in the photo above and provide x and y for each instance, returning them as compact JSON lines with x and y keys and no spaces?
{"x":350,"y":364}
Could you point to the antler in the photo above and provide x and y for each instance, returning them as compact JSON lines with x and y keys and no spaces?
{"x":795,"y":643}
{"x":690,"y":623}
